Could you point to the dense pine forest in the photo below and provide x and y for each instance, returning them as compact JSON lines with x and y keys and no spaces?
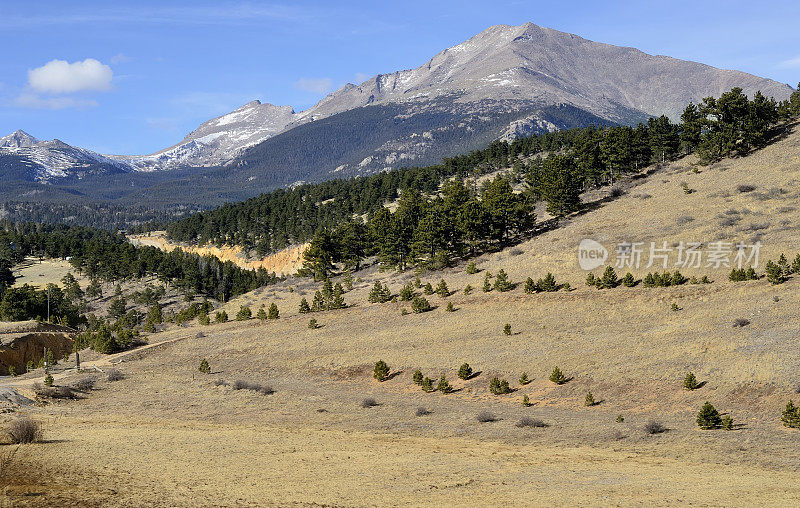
{"x":441,"y":214}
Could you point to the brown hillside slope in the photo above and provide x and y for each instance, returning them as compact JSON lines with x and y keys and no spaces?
{"x":168,"y":435}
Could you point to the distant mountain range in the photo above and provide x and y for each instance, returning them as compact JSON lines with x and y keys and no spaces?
{"x":504,"y":82}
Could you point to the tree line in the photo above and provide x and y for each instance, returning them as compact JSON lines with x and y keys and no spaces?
{"x":101,"y":255}
{"x":441,"y":215}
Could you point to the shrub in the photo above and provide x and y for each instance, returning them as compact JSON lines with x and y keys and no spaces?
{"x":628,"y":281}
{"x":527,"y":421}
{"x":204,"y":367}
{"x":507,"y":329}
{"x":254,"y":387}
{"x":420,"y":305}
{"x":443,"y":386}
{"x":84,"y":384}
{"x":708,"y":418}
{"x":467,"y":289}
{"x":312,"y":324}
{"x":273,"y":313}
{"x":523,"y":379}
{"x":369,"y":402}
{"x":304,"y":307}
{"x":48,"y":379}
{"x":204,"y":320}
{"x":675,"y":307}
{"x":530,"y":286}
{"x":442,"y":290}
{"x":417,"y":377}
{"x":557,"y":376}
{"x":221,"y":317}
{"x":501,"y":282}
{"x":465,"y":371}
{"x":654,"y":427}
{"x":690,"y":382}
{"x":450,"y":307}
{"x":739,"y":275}
{"x":727,"y":422}
{"x":380,"y":371}
{"x":791,"y":416}
{"x":486,"y":417}
{"x":740,"y":322}
{"x":591,"y":280}
{"x":23,"y":430}
{"x":244,"y":313}
{"x":427,"y":384}
{"x":526,"y":401}
{"x":53,"y":392}
{"x":404,"y":312}
{"x":499,"y":386}
{"x":114,"y":375}
{"x":472,"y":268}
{"x":12,"y":371}
{"x":421,"y":411}
{"x":620,"y":419}
{"x":589,"y":401}
{"x":427,"y":289}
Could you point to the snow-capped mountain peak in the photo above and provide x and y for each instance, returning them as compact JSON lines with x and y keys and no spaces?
{"x":18,"y":139}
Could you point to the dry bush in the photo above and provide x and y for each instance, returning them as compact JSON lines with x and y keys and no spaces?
{"x":53,"y":392}
{"x":369,"y":402}
{"x":486,"y":416}
{"x":527,"y":421}
{"x":515,"y":251}
{"x":746,"y":188}
{"x":220,"y":382}
{"x":685,"y":219}
{"x":740,"y":322}
{"x":654,"y":427}
{"x":421,"y":411}
{"x":114,"y":375}
{"x":255,"y":387}
{"x":23,"y":430}
{"x":84,"y":384}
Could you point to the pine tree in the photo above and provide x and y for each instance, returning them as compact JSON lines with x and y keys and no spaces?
{"x":304,"y":308}
{"x":589,"y":401}
{"x":420,"y":305}
{"x":221,"y":317}
{"x":380,"y":371}
{"x":775,"y":274}
{"x":427,"y":385}
{"x":407,"y":293}
{"x":557,"y":376}
{"x":450,"y":307}
{"x":526,"y":401}
{"x":548,"y":284}
{"x":523,"y":379}
{"x":467,"y":289}
{"x":472,"y":268}
{"x":487,"y":282}
{"x":428,"y":289}
{"x":609,"y":279}
{"x":443,"y":386}
{"x":690,"y":382}
{"x":417,"y":377}
{"x":708,"y":418}
{"x":507,"y":329}
{"x":465,"y":371}
{"x":501,"y":282}
{"x":530,"y":286}
{"x":348,"y":280}
{"x":273,"y":311}
{"x":442,"y":290}
{"x":312,"y":324}
{"x":628,"y":281}
{"x":244,"y":313}
{"x":204,"y":367}
{"x":499,"y":386}
{"x":791,"y":416}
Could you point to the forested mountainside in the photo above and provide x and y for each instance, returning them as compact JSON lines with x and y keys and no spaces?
{"x":556,"y":167}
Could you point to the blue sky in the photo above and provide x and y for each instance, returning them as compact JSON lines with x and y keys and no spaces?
{"x":157,"y":69}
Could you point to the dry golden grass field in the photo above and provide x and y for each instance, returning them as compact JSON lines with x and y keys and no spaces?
{"x":169,"y":435}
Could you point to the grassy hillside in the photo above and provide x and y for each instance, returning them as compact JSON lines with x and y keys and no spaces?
{"x":169,"y":434}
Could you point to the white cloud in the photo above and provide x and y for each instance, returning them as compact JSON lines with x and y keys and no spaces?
{"x":33,"y":101}
{"x":315,"y":85}
{"x":792,"y":63}
{"x":60,"y":76}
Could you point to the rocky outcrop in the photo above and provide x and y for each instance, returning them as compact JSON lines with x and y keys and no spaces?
{"x":24,"y":342}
